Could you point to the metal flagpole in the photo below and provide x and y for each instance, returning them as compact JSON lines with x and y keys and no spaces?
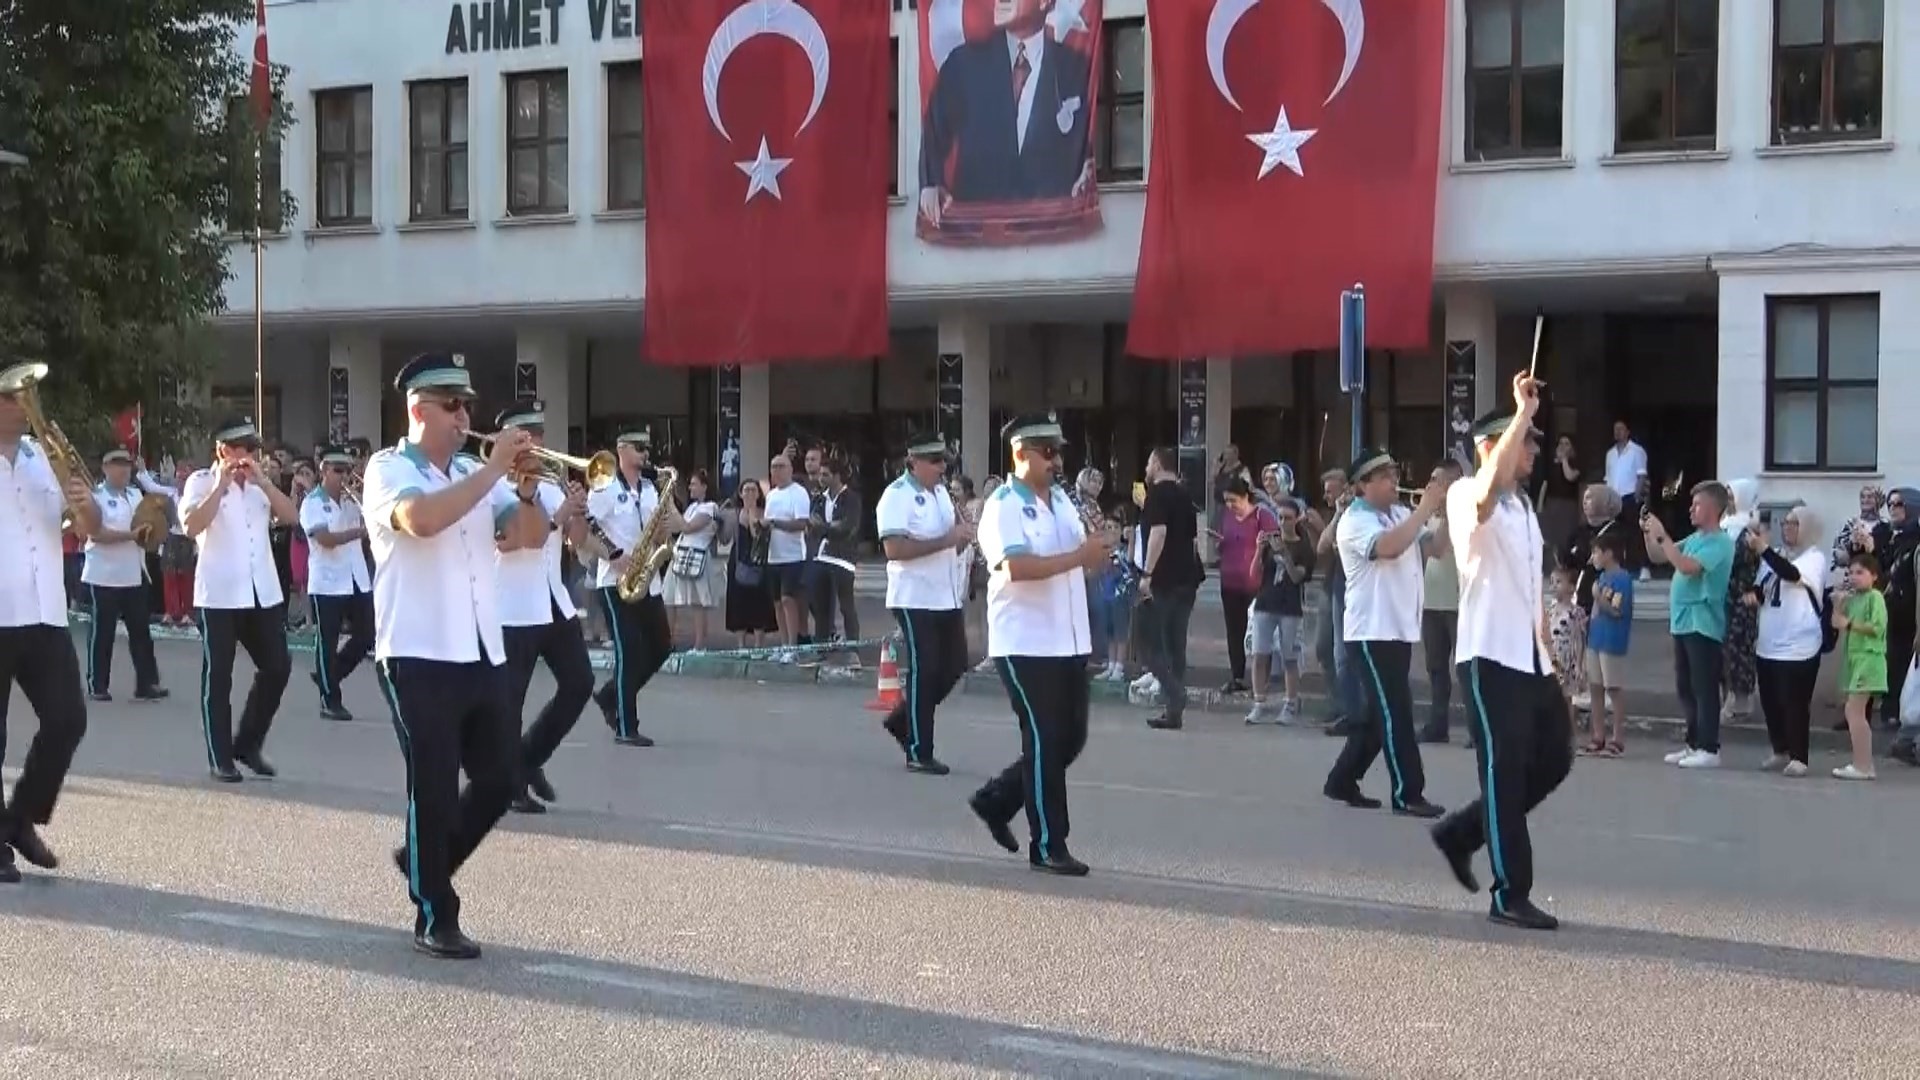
{"x":259,"y":289}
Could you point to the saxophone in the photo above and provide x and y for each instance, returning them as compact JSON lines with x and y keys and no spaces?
{"x":654,"y":547}
{"x":1096,"y":524}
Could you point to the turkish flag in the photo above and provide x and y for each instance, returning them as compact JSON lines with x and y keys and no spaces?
{"x":1323,"y":175}
{"x":261,"y":87}
{"x":126,"y":429}
{"x":768,"y":157}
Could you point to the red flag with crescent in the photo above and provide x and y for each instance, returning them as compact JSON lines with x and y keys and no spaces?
{"x":126,"y":430}
{"x":262,"y":84}
{"x":1295,"y":153}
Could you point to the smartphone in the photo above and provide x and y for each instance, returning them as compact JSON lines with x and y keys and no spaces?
{"x":1139,"y":491}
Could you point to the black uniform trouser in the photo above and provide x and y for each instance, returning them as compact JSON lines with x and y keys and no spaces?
{"x":936,"y":661}
{"x":332,"y":661}
{"x":1049,"y":696}
{"x":561,"y":645}
{"x":262,"y":632}
{"x":1383,"y":667}
{"x":449,"y":717}
{"x":1523,"y":743}
{"x":642,"y":641}
{"x":831,"y":594}
{"x":111,"y":606}
{"x":42,"y":661}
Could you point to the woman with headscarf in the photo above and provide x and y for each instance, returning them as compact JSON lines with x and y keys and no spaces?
{"x":1851,"y":540}
{"x":1895,"y":542}
{"x":1743,"y":606}
{"x":1790,"y":585}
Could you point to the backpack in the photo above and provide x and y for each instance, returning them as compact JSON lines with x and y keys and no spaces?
{"x":1823,"y":603}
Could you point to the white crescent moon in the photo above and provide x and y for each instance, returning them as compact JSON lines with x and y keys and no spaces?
{"x":1226,"y":16}
{"x":784,"y":18}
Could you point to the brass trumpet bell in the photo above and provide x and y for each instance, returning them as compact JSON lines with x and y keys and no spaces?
{"x":22,"y":377}
{"x":598,"y":470}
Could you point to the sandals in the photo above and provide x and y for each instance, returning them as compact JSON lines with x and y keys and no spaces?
{"x":1593,"y":748}
{"x":1611,"y":748}
{"x":1614,"y":748}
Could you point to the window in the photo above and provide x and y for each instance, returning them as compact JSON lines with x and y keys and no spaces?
{"x":1516,"y":53}
{"x":1665,"y":86}
{"x":253,"y":180}
{"x":1826,"y":69}
{"x":626,"y":173}
{"x":345,"y":159}
{"x":1120,"y":152}
{"x":893,"y":119}
{"x":537,"y":143}
{"x":437,"y":150}
{"x":1823,"y":382}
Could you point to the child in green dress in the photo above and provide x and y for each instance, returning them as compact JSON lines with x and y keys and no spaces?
{"x":1863,"y":675}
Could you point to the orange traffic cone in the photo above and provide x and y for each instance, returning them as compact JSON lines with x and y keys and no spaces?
{"x":887,"y":695}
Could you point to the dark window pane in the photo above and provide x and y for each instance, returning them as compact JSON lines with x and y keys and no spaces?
{"x":334,"y":119}
{"x":457,"y":114}
{"x":1853,"y":427}
{"x":526,"y":109}
{"x":427,"y":121}
{"x":554,"y":190}
{"x":623,"y":99}
{"x":1490,"y":25}
{"x":1129,"y":57}
{"x":1642,"y":105}
{"x":1798,"y":92}
{"x":429,"y":199}
{"x":1796,"y":341}
{"x":363,"y":119}
{"x":1796,"y":428}
{"x":524,"y":176}
{"x":1644,"y":30}
{"x":555,"y":105}
{"x":362,"y":204}
{"x":1540,"y":125}
{"x":1856,"y":90}
{"x":629,"y":190}
{"x":1491,"y":124}
{"x":1130,"y":139}
{"x":1859,"y":21}
{"x":457,"y":182}
{"x":333,"y":191}
{"x":1801,"y":22}
{"x":1699,"y":24}
{"x":1695,"y":98}
{"x":1543,"y":32}
{"x":1853,"y":339}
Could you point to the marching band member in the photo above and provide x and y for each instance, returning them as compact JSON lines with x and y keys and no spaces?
{"x":1523,"y":737}
{"x":534,"y":520}
{"x":338,"y":580}
{"x":438,"y":647}
{"x":922,"y":538}
{"x":227,"y":510}
{"x":1039,"y":640}
{"x":642,"y":637}
{"x":1381,"y":556}
{"x":115,"y":577}
{"x":36,"y":650}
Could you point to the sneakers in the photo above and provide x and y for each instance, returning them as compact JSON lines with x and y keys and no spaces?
{"x":1775,"y":763}
{"x":1263,"y":712}
{"x":1794,"y":769}
{"x":1678,"y":756}
{"x":1700,"y":759}
{"x":1848,"y":772}
{"x":1289,"y":712}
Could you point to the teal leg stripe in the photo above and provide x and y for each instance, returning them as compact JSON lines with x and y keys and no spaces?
{"x":206,"y":689}
{"x":913,"y":685}
{"x":413,"y":817}
{"x":1494,"y":854}
{"x":93,"y":636}
{"x":1033,"y":730}
{"x":321,"y":647}
{"x":621,"y":720}
{"x":1386,"y":716}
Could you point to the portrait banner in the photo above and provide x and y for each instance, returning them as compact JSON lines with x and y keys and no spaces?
{"x":1008,"y":96}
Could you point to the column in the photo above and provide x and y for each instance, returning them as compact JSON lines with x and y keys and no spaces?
{"x":354,"y":371}
{"x":756,"y":419}
{"x":971,"y":337}
{"x":1219,"y":419}
{"x":1472,"y":318}
{"x":543,"y":369}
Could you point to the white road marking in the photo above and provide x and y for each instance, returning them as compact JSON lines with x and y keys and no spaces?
{"x":265,"y":924}
{"x":1157,"y":1064}
{"x":829,"y":844}
{"x":637,"y":983}
{"x":1176,"y":793}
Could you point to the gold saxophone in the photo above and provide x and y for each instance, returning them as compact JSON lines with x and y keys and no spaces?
{"x":149,"y":516}
{"x":650,"y":553}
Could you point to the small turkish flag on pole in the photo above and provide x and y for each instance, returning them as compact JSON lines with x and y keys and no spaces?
{"x":262,"y":73}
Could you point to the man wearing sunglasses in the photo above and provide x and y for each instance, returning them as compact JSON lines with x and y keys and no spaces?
{"x":229,"y":510}
{"x":339,"y":580}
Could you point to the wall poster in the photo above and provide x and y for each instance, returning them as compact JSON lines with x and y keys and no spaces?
{"x":1192,"y":416}
{"x":727,"y":428}
{"x":1457,"y":439}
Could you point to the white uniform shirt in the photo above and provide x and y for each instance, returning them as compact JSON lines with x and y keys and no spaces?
{"x":1384,"y":596}
{"x":122,"y":564}
{"x":235,"y":568}
{"x":433,"y":599}
{"x":1500,"y":591}
{"x":1033,"y":618}
{"x":33,"y":589}
{"x":1625,"y":468}
{"x":340,"y":570}
{"x":529,"y":580}
{"x":931,"y":582}
{"x":790,"y":503}
{"x":622,"y":512}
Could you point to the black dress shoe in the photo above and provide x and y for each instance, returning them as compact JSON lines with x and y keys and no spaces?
{"x":152,"y":693}
{"x":1164,"y":723}
{"x":537,"y":782}
{"x":400,"y":862}
{"x":1460,"y":862}
{"x":1062,"y":863}
{"x":9,"y":873}
{"x":633,"y":740}
{"x":99,"y":695}
{"x":226,"y":774}
{"x":336,"y":713}
{"x":1352,"y":798}
{"x":899,"y":733}
{"x":1342,"y":727}
{"x":525,"y":804}
{"x":257,"y":762}
{"x":930,"y":766}
{"x":996,"y":827}
{"x":1523,"y":914}
{"x":1420,"y":809}
{"x":446,"y":943}
{"x":26,"y":840}
{"x":607,"y":713}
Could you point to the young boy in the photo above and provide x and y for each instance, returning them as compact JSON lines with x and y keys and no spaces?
{"x":1607,"y":641}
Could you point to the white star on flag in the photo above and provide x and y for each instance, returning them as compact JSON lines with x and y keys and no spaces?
{"x":1281,"y":146}
{"x":1065,"y":18}
{"x":763,"y":172}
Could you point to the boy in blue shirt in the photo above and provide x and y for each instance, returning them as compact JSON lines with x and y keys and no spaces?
{"x":1607,"y":636}
{"x":1701,"y":565}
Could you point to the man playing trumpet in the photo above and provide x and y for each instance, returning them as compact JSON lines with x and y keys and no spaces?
{"x":115,"y":577}
{"x":338,"y":580}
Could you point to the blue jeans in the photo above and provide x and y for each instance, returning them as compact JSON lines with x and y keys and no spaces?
{"x":1108,"y":616}
{"x":1343,"y":689}
{"x":1696,"y":675}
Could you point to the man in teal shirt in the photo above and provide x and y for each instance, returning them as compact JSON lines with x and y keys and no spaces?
{"x":1701,"y":565}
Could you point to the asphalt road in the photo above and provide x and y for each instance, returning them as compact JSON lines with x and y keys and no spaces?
{"x":768,"y":894}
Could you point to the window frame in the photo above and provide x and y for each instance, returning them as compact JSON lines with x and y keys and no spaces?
{"x":543,"y":142}
{"x":1113,"y":101}
{"x":1828,"y":131}
{"x":1671,"y":62}
{"x":267,"y":172}
{"x":353,"y":156}
{"x":1516,"y":72}
{"x":1820,"y":384}
{"x":619,"y":69}
{"x":421,"y":157}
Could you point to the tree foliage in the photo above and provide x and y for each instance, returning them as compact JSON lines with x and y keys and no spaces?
{"x":114,"y":237}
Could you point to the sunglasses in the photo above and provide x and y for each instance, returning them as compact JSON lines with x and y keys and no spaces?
{"x":447,"y":405}
{"x":1045,"y":450}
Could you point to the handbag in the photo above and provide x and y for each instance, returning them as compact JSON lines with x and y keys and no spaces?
{"x":689,"y":562}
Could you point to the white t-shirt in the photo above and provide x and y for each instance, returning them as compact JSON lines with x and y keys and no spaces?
{"x":1500,"y":563}
{"x":437,"y":598}
{"x":790,"y":503}
{"x":340,"y":570}
{"x":118,"y":565}
{"x":930,"y":582}
{"x":1383,"y":594}
{"x":1625,"y":468}
{"x":1789,"y":619}
{"x":1033,"y":618}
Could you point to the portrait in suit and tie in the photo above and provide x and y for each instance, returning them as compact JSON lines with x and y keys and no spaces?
{"x":1006,"y":143}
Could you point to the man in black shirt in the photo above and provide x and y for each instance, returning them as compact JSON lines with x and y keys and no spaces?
{"x":1172,"y":579}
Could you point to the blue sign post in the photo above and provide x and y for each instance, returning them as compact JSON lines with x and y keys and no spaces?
{"x":1353,"y":359}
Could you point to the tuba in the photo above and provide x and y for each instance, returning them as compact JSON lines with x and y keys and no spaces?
{"x":655,"y":545}
{"x":149,"y":517}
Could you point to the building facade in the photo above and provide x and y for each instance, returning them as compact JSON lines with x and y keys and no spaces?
{"x":1715,"y":204}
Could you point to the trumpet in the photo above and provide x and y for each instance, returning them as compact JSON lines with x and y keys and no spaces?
{"x":150,"y":523}
{"x":552,"y":465}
